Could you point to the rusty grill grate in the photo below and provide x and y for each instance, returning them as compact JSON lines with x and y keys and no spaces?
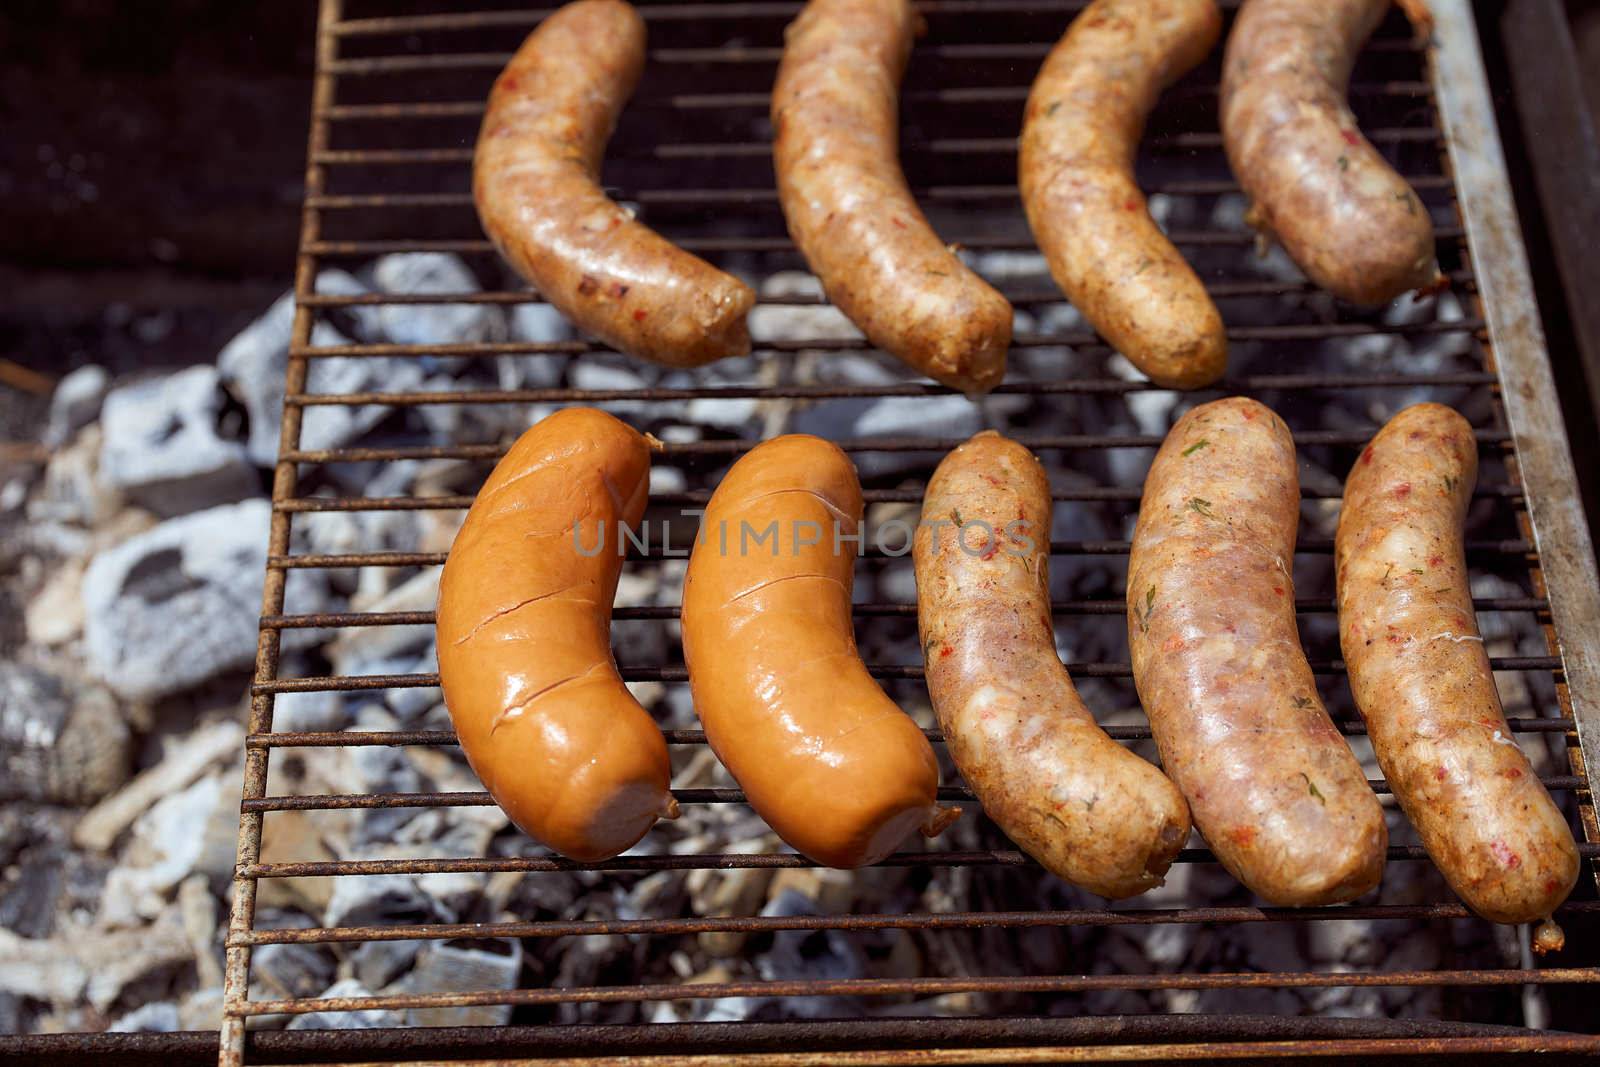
{"x":395,"y":107}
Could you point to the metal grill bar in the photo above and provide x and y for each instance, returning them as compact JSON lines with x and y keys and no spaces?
{"x":1477,"y":551}
{"x":937,"y":986}
{"x":762,"y":924}
{"x":726,"y":101}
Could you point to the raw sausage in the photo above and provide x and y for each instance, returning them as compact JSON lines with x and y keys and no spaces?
{"x":1088,"y":809}
{"x":835,"y":120}
{"x":535,"y":179}
{"x":1343,"y":214}
{"x":1218,"y":663}
{"x":524,"y":639}
{"x":822,"y":753}
{"x":1422,"y":679}
{"x":1080,"y":133}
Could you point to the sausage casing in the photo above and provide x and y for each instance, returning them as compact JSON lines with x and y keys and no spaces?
{"x":1218,"y":663}
{"x":1422,"y":679}
{"x":822,"y":753}
{"x":524,"y":639}
{"x":1342,"y":213}
{"x":835,"y":114}
{"x":535,"y":180}
{"x":1089,"y":810}
{"x":1080,"y":134}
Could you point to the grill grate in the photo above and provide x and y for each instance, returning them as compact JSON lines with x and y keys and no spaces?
{"x":396,"y":100}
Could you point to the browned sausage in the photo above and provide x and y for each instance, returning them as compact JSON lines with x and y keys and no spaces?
{"x":1343,"y":214}
{"x":1422,"y":679}
{"x":524,"y":639}
{"x":535,"y":180}
{"x":1080,"y":133}
{"x":1218,"y":663}
{"x":822,"y":753}
{"x":1088,"y":809}
{"x":835,"y":115}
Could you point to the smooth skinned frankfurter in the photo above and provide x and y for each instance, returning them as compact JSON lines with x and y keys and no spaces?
{"x":1340,"y":210}
{"x":1422,"y":679}
{"x":535,"y":179}
{"x":835,"y":116}
{"x":1080,"y":134}
{"x":1217,"y":660}
{"x":1086,"y":808}
{"x":524,"y":639}
{"x":822,"y":753}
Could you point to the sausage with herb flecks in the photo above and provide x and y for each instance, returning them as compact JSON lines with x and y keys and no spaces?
{"x":535,"y":179}
{"x":1343,"y":214}
{"x":1079,"y":136}
{"x":1422,"y":679}
{"x":836,"y":127}
{"x":524,"y":635}
{"x":1082,"y":805}
{"x":823,"y":754}
{"x":1217,"y":660}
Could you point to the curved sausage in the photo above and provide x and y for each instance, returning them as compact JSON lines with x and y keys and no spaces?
{"x":832,"y":764}
{"x":1343,"y":214}
{"x":1089,"y":810}
{"x":1422,"y":679}
{"x":524,"y":639}
{"x":1080,"y":133}
{"x":535,"y":179}
{"x":1219,"y":667}
{"x":836,"y":128}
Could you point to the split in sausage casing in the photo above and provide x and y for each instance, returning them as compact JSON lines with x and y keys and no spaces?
{"x":1422,"y":679}
{"x":524,"y":639}
{"x":822,"y":753}
{"x":1218,"y":663}
{"x":1080,"y":134}
{"x":535,"y":179}
{"x":1086,"y":808}
{"x":835,"y":116}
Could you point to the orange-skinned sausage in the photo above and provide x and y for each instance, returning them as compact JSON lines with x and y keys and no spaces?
{"x":1217,"y":659}
{"x":836,"y":124}
{"x":535,"y":179}
{"x":524,"y":639}
{"x":1089,"y":810}
{"x":1080,"y":134}
{"x":1422,"y":679}
{"x":1342,"y":213}
{"x":832,"y":764}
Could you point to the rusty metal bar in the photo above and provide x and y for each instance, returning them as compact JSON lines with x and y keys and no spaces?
{"x":936,"y":987}
{"x":973,"y":920}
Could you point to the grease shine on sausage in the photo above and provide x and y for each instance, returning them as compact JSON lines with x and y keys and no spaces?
{"x":1342,"y":213}
{"x":1422,"y":679}
{"x":1218,"y":663}
{"x":525,"y":645}
{"x":822,"y":753}
{"x":1080,"y":134}
{"x":1086,"y":808}
{"x":535,"y":180}
{"x":835,"y":113}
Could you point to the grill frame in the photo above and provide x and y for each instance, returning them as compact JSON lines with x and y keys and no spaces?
{"x":1555,"y":542}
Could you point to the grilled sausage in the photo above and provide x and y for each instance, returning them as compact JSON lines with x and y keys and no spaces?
{"x":1082,"y":805}
{"x":835,"y":120}
{"x":1343,"y":214}
{"x":535,"y":179}
{"x":1217,"y":660}
{"x":1080,"y":133}
{"x":524,"y":639}
{"x":823,"y":754}
{"x":1421,"y":676}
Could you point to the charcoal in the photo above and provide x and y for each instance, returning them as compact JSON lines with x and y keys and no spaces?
{"x":346,"y":1020}
{"x":54,"y":747}
{"x":75,"y":403}
{"x":460,"y":967}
